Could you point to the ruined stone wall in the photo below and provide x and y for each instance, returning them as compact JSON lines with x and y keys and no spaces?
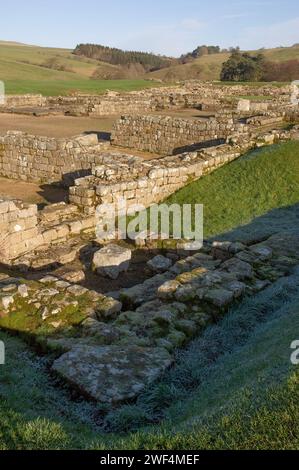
{"x":190,"y":94}
{"x":149,"y":182}
{"x":47,"y":160}
{"x":156,"y":180}
{"x":18,"y":101}
{"x":167,"y":135}
{"x":19,"y":232}
{"x":24,"y":229}
{"x":128,"y":103}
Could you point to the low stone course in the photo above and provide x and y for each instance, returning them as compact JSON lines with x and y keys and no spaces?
{"x":28,"y":100}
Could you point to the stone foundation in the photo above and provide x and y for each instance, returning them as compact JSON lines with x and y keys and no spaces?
{"x":167,"y":135}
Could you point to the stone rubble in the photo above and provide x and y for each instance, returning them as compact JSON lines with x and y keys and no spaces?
{"x":110,"y":347}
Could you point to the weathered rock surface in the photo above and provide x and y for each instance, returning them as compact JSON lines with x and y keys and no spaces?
{"x":159,"y":264}
{"x":112,"y":260}
{"x":112,"y":374}
{"x":145,"y":292}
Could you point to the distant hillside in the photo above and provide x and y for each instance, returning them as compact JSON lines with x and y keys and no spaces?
{"x":114,"y":56}
{"x":19,"y":61}
{"x":204,"y":62}
{"x":14,"y":43}
{"x":53,"y":71}
{"x":208,"y":66}
{"x":25,"y":68}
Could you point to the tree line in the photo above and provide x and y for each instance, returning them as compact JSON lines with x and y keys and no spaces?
{"x":114,"y":56}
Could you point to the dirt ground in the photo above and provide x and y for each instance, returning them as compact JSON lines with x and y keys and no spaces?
{"x":55,"y":126}
{"x":31,"y":193}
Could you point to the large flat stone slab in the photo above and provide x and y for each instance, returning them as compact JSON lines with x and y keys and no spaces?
{"x":112,"y":374}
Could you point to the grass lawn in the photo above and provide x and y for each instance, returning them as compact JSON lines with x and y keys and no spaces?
{"x":65,"y":87}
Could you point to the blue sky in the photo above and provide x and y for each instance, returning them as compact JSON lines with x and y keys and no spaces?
{"x":163,"y":26}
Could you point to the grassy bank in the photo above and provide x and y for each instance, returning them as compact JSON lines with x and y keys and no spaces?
{"x":247,"y":188}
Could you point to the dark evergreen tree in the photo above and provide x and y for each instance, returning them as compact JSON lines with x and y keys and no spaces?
{"x":243,"y":67}
{"x":116,"y":56}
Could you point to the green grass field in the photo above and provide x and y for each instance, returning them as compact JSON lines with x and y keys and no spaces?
{"x":233,"y":388}
{"x":65,"y":87}
{"x":23,"y":71}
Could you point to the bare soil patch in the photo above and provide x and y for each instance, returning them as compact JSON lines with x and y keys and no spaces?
{"x":31,"y":192}
{"x":55,"y":126}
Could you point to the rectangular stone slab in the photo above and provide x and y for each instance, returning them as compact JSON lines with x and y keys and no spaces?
{"x":112,"y":374}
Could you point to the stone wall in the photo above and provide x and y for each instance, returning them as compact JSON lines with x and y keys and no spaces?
{"x":140,"y":102}
{"x":149,"y":182}
{"x":201,"y":96}
{"x":24,"y":229}
{"x":248,"y":106}
{"x":19,"y":232}
{"x":155,"y":181}
{"x":167,"y":135}
{"x":47,"y":160}
{"x":18,"y":101}
{"x":190,"y":94}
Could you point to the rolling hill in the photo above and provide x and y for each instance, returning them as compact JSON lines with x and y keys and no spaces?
{"x":33,"y":69}
{"x":208,"y":67}
{"x":29,"y":69}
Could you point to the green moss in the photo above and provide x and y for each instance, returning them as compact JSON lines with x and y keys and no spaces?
{"x":26,"y":318}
